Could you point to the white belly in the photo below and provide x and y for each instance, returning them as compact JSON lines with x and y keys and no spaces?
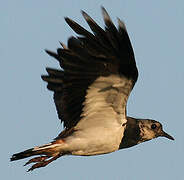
{"x":94,"y":141}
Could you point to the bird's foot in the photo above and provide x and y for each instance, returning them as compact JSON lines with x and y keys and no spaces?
{"x":37,"y":159}
{"x":41,"y":161}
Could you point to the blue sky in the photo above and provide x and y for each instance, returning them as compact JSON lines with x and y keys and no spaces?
{"x":28,"y":115}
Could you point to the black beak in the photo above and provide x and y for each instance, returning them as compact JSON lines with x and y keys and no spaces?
{"x":164,"y":134}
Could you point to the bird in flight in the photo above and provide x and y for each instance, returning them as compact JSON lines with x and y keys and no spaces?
{"x":98,"y":72}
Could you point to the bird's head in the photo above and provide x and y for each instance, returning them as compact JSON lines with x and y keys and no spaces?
{"x":150,"y":129}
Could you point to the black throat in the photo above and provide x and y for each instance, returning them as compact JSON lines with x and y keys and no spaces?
{"x":131,"y":135}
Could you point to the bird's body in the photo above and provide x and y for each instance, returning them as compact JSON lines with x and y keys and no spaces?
{"x":91,"y":92}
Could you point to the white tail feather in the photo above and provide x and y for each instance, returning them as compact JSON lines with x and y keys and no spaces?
{"x":45,"y":146}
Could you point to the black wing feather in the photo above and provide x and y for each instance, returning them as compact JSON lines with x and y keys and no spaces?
{"x":85,"y":58}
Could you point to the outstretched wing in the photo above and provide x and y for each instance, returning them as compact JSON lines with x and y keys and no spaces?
{"x":98,"y":72}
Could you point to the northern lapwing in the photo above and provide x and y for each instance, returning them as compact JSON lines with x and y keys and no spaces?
{"x":98,"y":72}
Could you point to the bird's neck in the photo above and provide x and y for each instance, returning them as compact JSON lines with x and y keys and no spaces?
{"x":132,"y":134}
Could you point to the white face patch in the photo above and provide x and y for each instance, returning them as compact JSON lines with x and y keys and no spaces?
{"x":146,"y":132}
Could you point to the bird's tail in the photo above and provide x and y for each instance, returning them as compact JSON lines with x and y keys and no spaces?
{"x":46,"y":151}
{"x":24,"y":154}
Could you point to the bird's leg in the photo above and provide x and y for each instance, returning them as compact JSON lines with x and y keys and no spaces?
{"x":41,"y":161}
{"x":37,"y":159}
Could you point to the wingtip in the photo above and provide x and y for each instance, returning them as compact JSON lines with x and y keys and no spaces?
{"x":51,"y":53}
{"x":67,"y":19}
{"x":83,"y":12}
{"x":63,"y":45}
{"x":102,"y":7}
{"x":105,"y":14}
{"x":86,"y":16}
{"x":49,"y":70}
{"x":48,"y":51}
{"x":121,"y":24}
{"x":44,"y":77}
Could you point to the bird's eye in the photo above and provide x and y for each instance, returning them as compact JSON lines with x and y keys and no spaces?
{"x":153,"y":126}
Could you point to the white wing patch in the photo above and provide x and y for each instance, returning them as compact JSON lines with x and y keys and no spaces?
{"x":105,"y":103}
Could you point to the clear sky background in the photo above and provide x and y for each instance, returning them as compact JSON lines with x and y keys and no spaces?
{"x":27,"y":111}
